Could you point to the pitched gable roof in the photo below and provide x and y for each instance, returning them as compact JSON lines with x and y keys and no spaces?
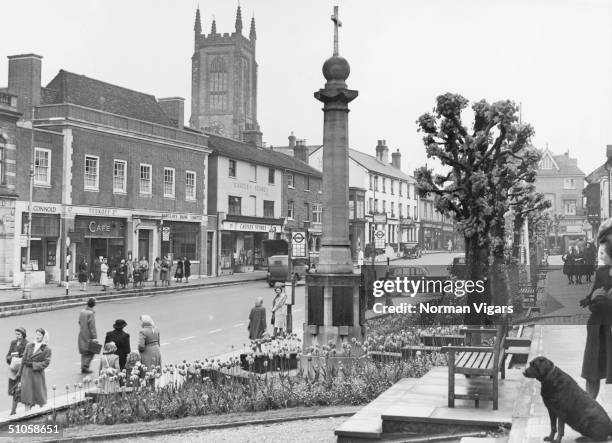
{"x":235,"y":149}
{"x":80,"y":90}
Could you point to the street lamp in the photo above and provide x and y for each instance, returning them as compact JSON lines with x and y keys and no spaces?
{"x":27,"y":269}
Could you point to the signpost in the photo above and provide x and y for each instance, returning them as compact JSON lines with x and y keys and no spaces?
{"x":379,"y":238}
{"x":298,"y":244}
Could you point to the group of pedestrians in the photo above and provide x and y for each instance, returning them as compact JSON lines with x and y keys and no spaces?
{"x":580,"y":262}
{"x":121,"y":272}
{"x":27,"y":363}
{"x":117,"y":343}
{"x":257,"y":317}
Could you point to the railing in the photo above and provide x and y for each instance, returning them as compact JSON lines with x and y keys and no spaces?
{"x":81,"y":113}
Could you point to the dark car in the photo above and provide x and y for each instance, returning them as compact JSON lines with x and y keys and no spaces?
{"x":414,"y":252}
{"x":458,"y":268}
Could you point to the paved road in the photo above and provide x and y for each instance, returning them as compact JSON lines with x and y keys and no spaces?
{"x":435,"y":263}
{"x":193,"y":325}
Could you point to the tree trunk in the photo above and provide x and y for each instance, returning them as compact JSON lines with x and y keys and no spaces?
{"x":516,"y":244}
{"x":477,"y":266}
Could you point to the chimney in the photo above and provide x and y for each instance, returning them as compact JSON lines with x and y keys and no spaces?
{"x":382,"y":151}
{"x":292,"y":142}
{"x":174,"y":108}
{"x":396,"y":160}
{"x":24,"y":81}
{"x":300,"y":151}
{"x":251,"y":134}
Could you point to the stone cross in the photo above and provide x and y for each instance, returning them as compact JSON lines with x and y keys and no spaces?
{"x":337,"y":24}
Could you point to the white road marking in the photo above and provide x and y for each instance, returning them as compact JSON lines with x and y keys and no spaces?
{"x":188,"y":338}
{"x":164,"y":344}
{"x":214,"y":331}
{"x":237,"y":325}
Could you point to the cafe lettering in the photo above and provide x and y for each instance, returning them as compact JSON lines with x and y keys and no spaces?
{"x":95,"y":227}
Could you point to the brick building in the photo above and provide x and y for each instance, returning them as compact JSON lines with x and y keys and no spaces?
{"x":115,"y":173}
{"x":250,"y":190}
{"x":561,"y":181}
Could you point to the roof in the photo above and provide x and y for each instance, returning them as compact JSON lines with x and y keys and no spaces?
{"x":235,"y":149}
{"x":90,"y":93}
{"x":369,"y":162}
{"x":567,"y":166}
{"x":597,"y":174}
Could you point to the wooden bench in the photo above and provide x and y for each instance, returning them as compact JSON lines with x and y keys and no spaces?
{"x":478,"y":361}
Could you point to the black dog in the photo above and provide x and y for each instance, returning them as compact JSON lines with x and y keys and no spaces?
{"x":568,"y":403}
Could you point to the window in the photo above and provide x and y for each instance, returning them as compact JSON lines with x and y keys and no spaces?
{"x":307,"y":184}
{"x":384,"y":182}
{"x":2,"y":161}
{"x":232,"y":168}
{"x":290,"y":209}
{"x":91,"y":172}
{"x":375,"y":205}
{"x":290,"y":180}
{"x":234,"y":205}
{"x":569,"y":207}
{"x":399,"y":210}
{"x":306,"y":211}
{"x":371,"y":180}
{"x":190,"y":185}
{"x":546,"y":163}
{"x":316,"y":213}
{"x":218,"y":85}
{"x":408,"y":210}
{"x":169,"y":182}
{"x":42,"y":166}
{"x":253,"y":173}
{"x":253,"y":205}
{"x":269,"y":208}
{"x":409,"y":191}
{"x":416,"y":213}
{"x":384,"y":209}
{"x":119,"y":176}
{"x":351,"y":208}
{"x":359,"y":209}
{"x":371,"y":205}
{"x":376,"y":183}
{"x":392,"y":209}
{"x":145,"y":179}
{"x":271,"y":173}
{"x":401,"y":188}
{"x":392,"y":187}
{"x":569,"y":183}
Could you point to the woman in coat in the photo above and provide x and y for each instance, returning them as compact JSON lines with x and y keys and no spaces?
{"x":590,"y":260}
{"x":14,"y":354}
{"x":279,"y":310}
{"x":568,"y":265}
{"x":83,"y":273}
{"x":187,"y":269}
{"x":36,"y":359}
{"x":597,"y":362}
{"x":157,"y":270}
{"x":257,"y":320}
{"x":165,"y":271}
{"x":579,"y":266}
{"x":104,"y":274}
{"x":178,"y":274}
{"x":122,"y":271}
{"x":148,"y":343}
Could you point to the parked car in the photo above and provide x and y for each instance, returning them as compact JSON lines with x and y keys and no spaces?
{"x":458,"y":268}
{"x":278,"y":269}
{"x":414,"y":252}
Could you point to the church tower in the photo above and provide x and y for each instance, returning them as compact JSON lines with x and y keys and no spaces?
{"x":224,"y":82}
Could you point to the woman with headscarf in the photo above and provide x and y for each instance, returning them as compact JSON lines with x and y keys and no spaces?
{"x":279,"y":310}
{"x":257,"y":320}
{"x":148,"y":343}
{"x":36,"y":359}
{"x":13,"y":358}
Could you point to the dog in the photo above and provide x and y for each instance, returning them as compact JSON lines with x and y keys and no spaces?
{"x":568,"y":403}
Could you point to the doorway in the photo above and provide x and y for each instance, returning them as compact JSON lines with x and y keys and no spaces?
{"x":209,"y":253}
{"x":144,"y":241}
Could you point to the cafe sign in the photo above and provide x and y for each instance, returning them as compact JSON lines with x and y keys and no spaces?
{"x":100,"y":227}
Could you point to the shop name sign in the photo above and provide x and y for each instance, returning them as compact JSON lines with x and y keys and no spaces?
{"x":102,"y":211}
{"x":251,"y":187}
{"x":95,"y":227}
{"x":173,"y":216}
{"x":45,"y":208}
{"x":237,"y":226}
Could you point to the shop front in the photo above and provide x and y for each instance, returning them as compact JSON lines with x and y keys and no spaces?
{"x":44,"y":246}
{"x":99,"y":236}
{"x":241,"y":245}
{"x":7,"y":238}
{"x":182,"y":239}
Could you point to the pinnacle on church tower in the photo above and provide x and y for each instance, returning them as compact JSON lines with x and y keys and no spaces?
{"x":198,"y":24}
{"x":252,"y":33}
{"x":213,"y":26}
{"x":238,"y":21}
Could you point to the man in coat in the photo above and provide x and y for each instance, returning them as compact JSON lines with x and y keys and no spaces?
{"x":87,"y":332}
{"x":257,"y":320}
{"x":121,"y":339}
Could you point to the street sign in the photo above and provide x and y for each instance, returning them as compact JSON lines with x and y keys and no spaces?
{"x":380,"y":218}
{"x":166,"y":233}
{"x":379,"y":239}
{"x":23,"y":241}
{"x":298,"y":244}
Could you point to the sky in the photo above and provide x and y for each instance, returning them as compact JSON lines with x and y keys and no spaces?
{"x":552,"y":56}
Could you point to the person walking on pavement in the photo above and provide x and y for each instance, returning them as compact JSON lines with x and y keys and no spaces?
{"x":568,"y":265}
{"x":144,"y":268}
{"x":178,"y":274}
{"x":103,"y":274}
{"x":148,"y":343}
{"x":83,"y":273}
{"x":590,"y":260}
{"x":157,"y":265}
{"x":597,"y":361}
{"x":165,"y":271}
{"x":578,"y":265}
{"x":122,"y":271}
{"x":187,"y":269}
{"x":279,"y":310}
{"x":36,"y":358}
{"x":87,"y":333}
{"x":97,"y":270}
{"x":121,"y":340}
{"x":257,"y":320}
{"x":14,"y":358}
